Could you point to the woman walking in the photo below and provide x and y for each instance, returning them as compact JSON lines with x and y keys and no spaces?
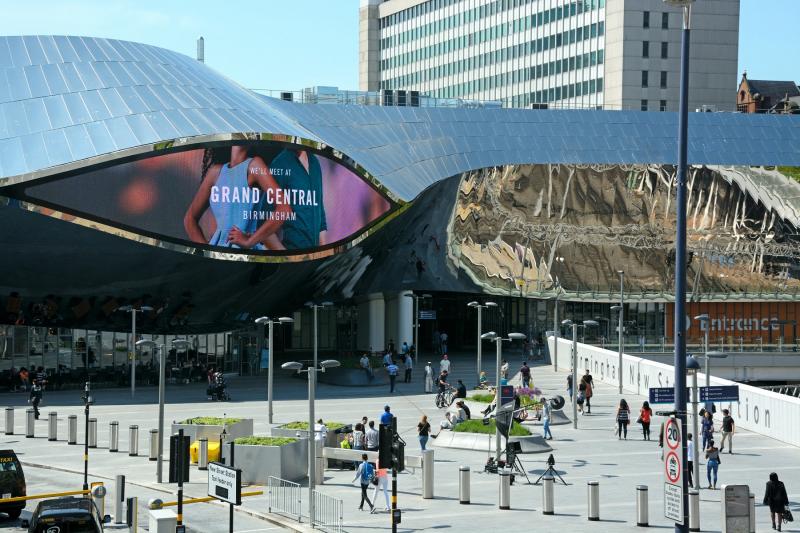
{"x":623,"y":419}
{"x":423,"y":431}
{"x":712,"y":463}
{"x":645,"y":415}
{"x":777,"y":499}
{"x":546,"y":418}
{"x":708,"y":428}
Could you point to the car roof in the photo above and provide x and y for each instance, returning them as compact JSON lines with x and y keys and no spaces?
{"x":65,"y":504}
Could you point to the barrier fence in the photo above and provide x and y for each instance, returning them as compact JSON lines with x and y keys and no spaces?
{"x":283,"y":497}
{"x":328,"y":513}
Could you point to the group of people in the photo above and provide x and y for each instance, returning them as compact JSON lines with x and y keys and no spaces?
{"x":585,"y":392}
{"x":391,"y":363}
{"x":365,"y":436}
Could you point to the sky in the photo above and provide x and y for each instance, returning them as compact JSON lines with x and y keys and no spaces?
{"x":292,"y":44}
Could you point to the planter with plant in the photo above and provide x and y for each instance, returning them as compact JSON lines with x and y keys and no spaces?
{"x":300,"y":429}
{"x":260,"y":457}
{"x":210,"y":427}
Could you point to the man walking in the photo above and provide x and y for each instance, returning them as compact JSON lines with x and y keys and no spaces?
{"x":409,"y":364}
{"x":364,"y":474}
{"x":392,"y":369}
{"x":525,"y":372}
{"x":728,"y":429}
{"x":372,"y":437}
{"x":444,"y":364}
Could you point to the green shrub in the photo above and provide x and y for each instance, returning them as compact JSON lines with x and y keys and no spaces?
{"x":332,"y":426}
{"x":477,"y":426}
{"x":481,"y":397}
{"x":265,"y":441}
{"x":211,"y":421}
{"x":792,"y":172}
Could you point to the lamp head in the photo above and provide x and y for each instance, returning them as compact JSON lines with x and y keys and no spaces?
{"x":717,"y":355}
{"x":180,"y":342}
{"x":472,"y":304}
{"x":692,"y":365}
{"x":426,"y":295}
{"x":616,"y":307}
{"x":489,"y":336}
{"x":145,"y":308}
{"x":292,"y":365}
{"x":490,"y":304}
{"x":329,"y":363}
{"x":144,"y":342}
{"x":517,"y":336}
{"x":285,"y":320}
{"x":326,"y":304}
{"x":591,"y":323}
{"x":262,"y":320}
{"x":702,"y":318}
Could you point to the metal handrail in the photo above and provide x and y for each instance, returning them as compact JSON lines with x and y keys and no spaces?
{"x":284,"y":497}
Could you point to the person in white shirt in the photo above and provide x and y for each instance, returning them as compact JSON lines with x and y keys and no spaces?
{"x":504,"y":370}
{"x":383,"y":484}
{"x":366,"y":366}
{"x":453,"y":416}
{"x":387,"y":358}
{"x":444,"y":364}
{"x":690,"y":455}
{"x":428,"y":377}
{"x":320,"y":431}
{"x":372,"y":437}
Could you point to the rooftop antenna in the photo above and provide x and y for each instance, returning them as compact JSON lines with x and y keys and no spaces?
{"x":201,"y":50}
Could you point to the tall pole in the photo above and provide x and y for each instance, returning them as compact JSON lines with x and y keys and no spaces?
{"x":270,"y":373}
{"x":312,"y":435}
{"x":695,"y":436}
{"x":575,"y":375}
{"x":621,"y":322}
{"x":133,"y":354}
{"x":162,"y":371}
{"x":556,"y":336}
{"x":499,"y":347}
{"x":315,"y":336}
{"x":86,"y":439}
{"x":480,"y":343}
{"x":680,"y":263}
{"x":705,"y":352}
{"x":416,"y":330}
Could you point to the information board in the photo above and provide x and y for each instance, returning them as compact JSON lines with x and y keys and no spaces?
{"x":225,"y":483}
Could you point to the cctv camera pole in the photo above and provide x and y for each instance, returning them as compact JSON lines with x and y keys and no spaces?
{"x":86,"y":402}
{"x":621,"y":311}
{"x":575,"y":375}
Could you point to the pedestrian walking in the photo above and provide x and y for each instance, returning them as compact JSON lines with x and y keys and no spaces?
{"x":645,"y":416}
{"x":504,"y":369}
{"x":444,"y":364}
{"x":728,"y":429}
{"x":380,"y":482}
{"x":623,"y":418}
{"x":712,"y":463}
{"x":392,"y":369}
{"x":546,"y":410}
{"x":409,"y":364}
{"x":372,"y":437}
{"x":423,"y":432}
{"x":429,"y":377}
{"x":776,"y":498}
{"x":708,"y":428}
{"x":443,"y":342}
{"x":35,"y":397}
{"x":690,"y":455}
{"x":386,"y":417}
{"x":569,"y":385}
{"x":364,"y":475}
{"x":525,"y":372}
{"x":588,"y":385}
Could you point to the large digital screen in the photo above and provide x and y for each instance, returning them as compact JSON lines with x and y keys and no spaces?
{"x":257,"y":198}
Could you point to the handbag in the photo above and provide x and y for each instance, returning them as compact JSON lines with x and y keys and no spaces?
{"x":787,"y":516}
{"x":639,"y":420}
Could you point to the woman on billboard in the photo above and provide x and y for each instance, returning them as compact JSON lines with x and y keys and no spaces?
{"x":234,"y":187}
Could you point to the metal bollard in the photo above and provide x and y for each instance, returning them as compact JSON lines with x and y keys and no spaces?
{"x":113,"y":437}
{"x":593,"y":495}
{"x":30,"y":420}
{"x":92,"y":433}
{"x":9,"y":420}
{"x":52,"y":426}
{"x":132,"y":514}
{"x":642,"y":511}
{"x":752,"y":513}
{"x":505,"y":488}
{"x":153,"y":444}
{"x":99,"y":497}
{"x":119,"y":497}
{"x":463,"y":484}
{"x":547,"y":495}
{"x":694,"y":510}
{"x":72,"y":429}
{"x":427,"y":474}
{"x":202,"y":455}
{"x":133,"y":441}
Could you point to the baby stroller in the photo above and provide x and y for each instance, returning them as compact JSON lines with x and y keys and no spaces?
{"x":217,"y":390}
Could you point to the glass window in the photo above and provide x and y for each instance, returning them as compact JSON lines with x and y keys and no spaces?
{"x":644,"y":78}
{"x":662,"y":106}
{"x":664,"y":50}
{"x":644,"y":105}
{"x":664,"y":21}
{"x":646,"y":19}
{"x":663,"y":79}
{"x":645,"y":48}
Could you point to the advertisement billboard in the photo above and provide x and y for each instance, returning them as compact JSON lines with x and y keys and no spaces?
{"x":256,"y":198}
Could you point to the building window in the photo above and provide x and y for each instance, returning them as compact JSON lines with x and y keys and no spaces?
{"x":644,"y":105}
{"x":663,"y":79}
{"x":645,"y":48}
{"x":664,"y":21}
{"x":646,"y":19}
{"x":662,"y":105}
{"x":644,"y":78}
{"x":664,"y":49}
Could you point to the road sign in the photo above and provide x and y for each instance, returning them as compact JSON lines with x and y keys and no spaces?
{"x":723,"y":393}
{"x":225,"y":483}
{"x":427,"y":314}
{"x":672,"y":467}
{"x":672,"y":432}
{"x":664,"y":394}
{"x":673,"y":502}
{"x":673,"y":471}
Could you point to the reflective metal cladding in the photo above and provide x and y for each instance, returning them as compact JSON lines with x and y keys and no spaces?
{"x":68,"y":101}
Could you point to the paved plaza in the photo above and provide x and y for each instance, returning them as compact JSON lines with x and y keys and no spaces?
{"x":592,"y":453}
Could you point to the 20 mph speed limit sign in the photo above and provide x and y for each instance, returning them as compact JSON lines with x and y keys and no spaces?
{"x":672,"y":433}
{"x":673,"y":471}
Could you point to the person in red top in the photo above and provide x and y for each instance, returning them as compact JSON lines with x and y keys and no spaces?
{"x":645,"y":414}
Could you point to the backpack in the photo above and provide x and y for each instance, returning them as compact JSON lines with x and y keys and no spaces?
{"x":367,"y":473}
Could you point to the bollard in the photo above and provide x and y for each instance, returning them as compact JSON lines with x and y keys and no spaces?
{"x":52,"y":426}
{"x":30,"y":420}
{"x":99,"y":497}
{"x":153,"y":444}
{"x":463,"y":484}
{"x":132,"y":514}
{"x":113,"y":437}
{"x":93,"y":433}
{"x":593,"y":494}
{"x":547,"y":495}
{"x":752,"y":513}
{"x":505,"y":488}
{"x":9,"y":420}
{"x":202,"y":455}
{"x":119,"y":497}
{"x":427,"y":474}
{"x":642,"y":511}
{"x":694,"y":510}
{"x":72,"y":429}
{"x":133,"y":441}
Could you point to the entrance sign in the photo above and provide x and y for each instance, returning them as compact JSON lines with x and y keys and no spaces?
{"x":225,"y":483}
{"x":673,"y":471}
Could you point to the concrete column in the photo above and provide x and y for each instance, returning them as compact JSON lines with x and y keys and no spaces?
{"x":405,"y":319}
{"x":377,"y":311}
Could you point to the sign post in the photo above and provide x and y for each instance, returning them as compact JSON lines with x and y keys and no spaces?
{"x":673,"y":471}
{"x":225,"y":484}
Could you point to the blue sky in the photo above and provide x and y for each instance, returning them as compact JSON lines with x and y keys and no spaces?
{"x":291,"y":44}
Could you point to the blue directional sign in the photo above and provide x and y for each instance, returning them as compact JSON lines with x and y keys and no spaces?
{"x":427,"y":314}
{"x":664,"y":395}
{"x":722,"y":393}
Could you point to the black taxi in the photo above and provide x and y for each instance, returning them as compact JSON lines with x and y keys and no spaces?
{"x":65,"y":515}
{"x":12,"y":483}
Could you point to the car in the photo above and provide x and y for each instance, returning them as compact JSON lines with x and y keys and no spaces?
{"x":66,"y":515}
{"x":12,"y":483}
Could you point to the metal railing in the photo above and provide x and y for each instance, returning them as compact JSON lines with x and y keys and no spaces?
{"x":328,"y":513}
{"x":283,"y":497}
{"x":789,"y":390}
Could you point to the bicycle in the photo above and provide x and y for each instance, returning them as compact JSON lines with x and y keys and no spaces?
{"x":445,"y":398}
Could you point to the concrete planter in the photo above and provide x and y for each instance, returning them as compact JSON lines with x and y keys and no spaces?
{"x":332,"y":439}
{"x":243,"y":428}
{"x":257,"y":463}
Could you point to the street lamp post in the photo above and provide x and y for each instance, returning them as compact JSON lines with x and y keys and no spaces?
{"x":709,"y":356}
{"x":621,"y":320}
{"x":270,"y":356}
{"x":312,"y":454}
{"x":575,"y":326}
{"x":498,"y":340}
{"x":480,"y":308}
{"x":680,"y":252}
{"x":417,"y":298}
{"x":692,"y":367}
{"x":315,"y":307}
{"x":705,"y":325}
{"x":133,"y":310}
{"x":87,"y":401}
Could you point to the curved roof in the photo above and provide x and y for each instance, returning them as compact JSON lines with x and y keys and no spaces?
{"x":69,"y":99}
